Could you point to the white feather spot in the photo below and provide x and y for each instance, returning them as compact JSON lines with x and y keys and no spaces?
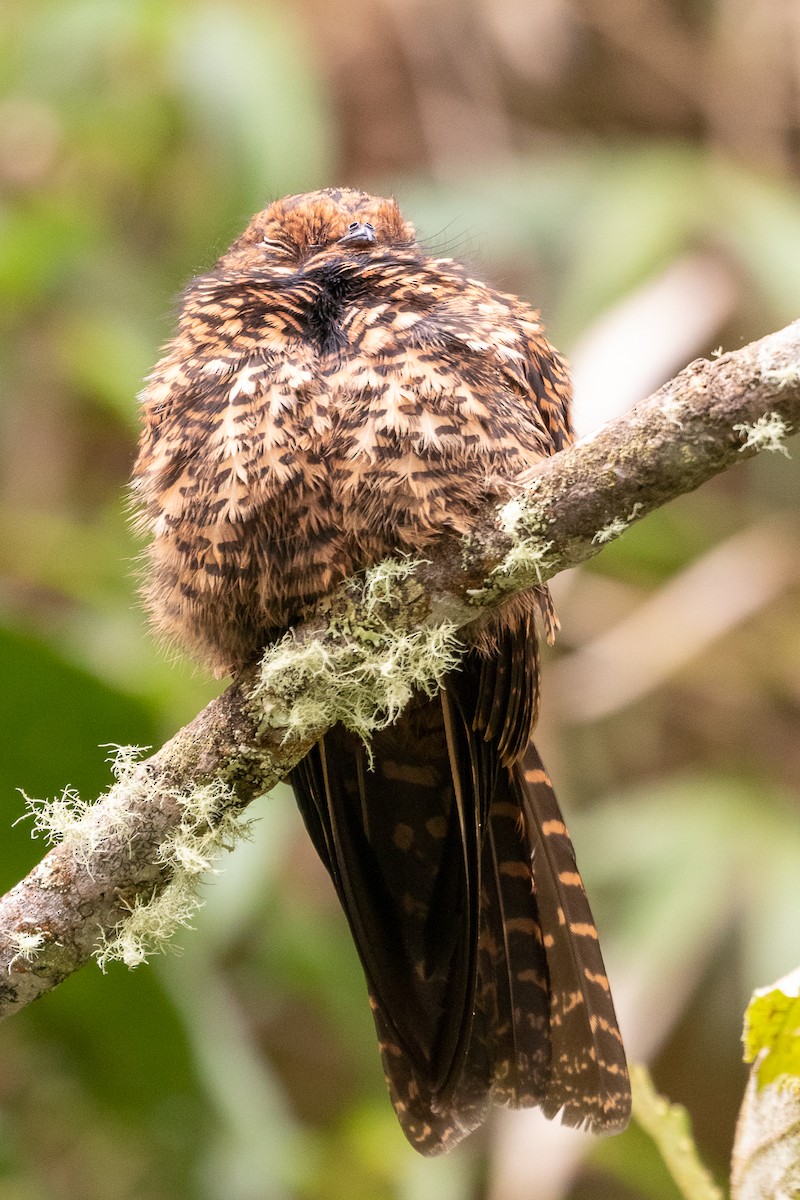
{"x":216,"y":366}
{"x":245,"y":384}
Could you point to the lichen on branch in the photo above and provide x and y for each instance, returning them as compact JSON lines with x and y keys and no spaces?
{"x":366,"y":669}
{"x":358,"y":660}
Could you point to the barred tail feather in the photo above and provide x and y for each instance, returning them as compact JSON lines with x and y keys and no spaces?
{"x":589,"y":1077}
{"x":458,"y":878}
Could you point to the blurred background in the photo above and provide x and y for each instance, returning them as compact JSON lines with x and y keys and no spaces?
{"x":632,"y":168}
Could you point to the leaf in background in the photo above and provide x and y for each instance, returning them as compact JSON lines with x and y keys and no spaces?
{"x":105,"y":355}
{"x":527,"y":204}
{"x":760,"y":219}
{"x":772,"y":1032}
{"x":113,"y":1041}
{"x":511,"y":224}
{"x":38,"y":245}
{"x":671,"y":537}
{"x":653,"y":844}
{"x":766,"y":1153}
{"x":53,"y":719}
{"x":257,"y":1148}
{"x":642,"y":208}
{"x":246,"y":82}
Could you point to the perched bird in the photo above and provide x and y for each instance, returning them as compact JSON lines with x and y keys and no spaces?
{"x":333,"y":396}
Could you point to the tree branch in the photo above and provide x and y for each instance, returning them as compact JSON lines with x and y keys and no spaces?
{"x":124,"y":872}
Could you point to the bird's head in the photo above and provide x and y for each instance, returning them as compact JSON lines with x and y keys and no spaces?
{"x":296,"y":228}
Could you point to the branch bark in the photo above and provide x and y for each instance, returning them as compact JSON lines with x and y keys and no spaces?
{"x":709,"y":417}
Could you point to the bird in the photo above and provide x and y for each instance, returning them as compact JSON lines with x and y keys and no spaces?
{"x":334,"y":395}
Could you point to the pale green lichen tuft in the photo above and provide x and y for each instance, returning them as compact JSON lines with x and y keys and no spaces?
{"x":151,"y":924}
{"x":767,"y":433}
{"x":380,"y":581}
{"x":617,"y":526}
{"x":57,"y":820}
{"x":526,"y":562}
{"x":783,"y":377}
{"x":210,"y":823}
{"x":526,"y":558}
{"x":27,"y":944}
{"x":364,"y":683}
{"x":610,"y":531}
{"x":87,"y":826}
{"x":366,"y":671}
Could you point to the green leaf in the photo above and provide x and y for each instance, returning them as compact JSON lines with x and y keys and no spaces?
{"x":54,"y":718}
{"x":772,"y":1031}
{"x":106,"y":356}
{"x":643,"y":210}
{"x":38,"y":247}
{"x":248,"y":86}
{"x":760,"y":217}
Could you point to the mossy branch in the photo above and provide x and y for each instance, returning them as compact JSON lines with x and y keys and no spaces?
{"x":125,"y":869}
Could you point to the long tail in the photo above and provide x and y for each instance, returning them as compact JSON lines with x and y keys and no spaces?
{"x":588,"y":1073}
{"x":458,"y":878}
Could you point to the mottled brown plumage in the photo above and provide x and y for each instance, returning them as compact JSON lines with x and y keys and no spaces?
{"x":333,"y":396}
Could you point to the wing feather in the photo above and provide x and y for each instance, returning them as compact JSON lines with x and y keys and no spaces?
{"x":402,"y":845}
{"x":589,"y":1078}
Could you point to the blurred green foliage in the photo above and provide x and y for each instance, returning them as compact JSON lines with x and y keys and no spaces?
{"x":136,"y":137}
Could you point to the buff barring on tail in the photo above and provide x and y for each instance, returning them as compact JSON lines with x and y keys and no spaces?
{"x":334,"y":396}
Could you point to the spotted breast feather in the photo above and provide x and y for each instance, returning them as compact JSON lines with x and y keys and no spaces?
{"x":333,"y":396}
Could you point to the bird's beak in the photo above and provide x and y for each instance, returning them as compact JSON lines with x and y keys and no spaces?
{"x":362,"y":235}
